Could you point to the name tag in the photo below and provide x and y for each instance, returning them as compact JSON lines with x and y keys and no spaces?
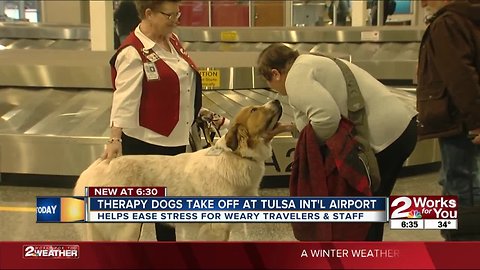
{"x":151,"y":71}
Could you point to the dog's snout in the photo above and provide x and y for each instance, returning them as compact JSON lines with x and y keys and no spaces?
{"x":275,"y":103}
{"x":278,"y":104}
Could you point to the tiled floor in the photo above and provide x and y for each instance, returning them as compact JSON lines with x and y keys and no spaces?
{"x":21,"y":226}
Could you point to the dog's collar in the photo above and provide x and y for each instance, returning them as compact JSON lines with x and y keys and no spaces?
{"x":216,"y":151}
{"x":249,"y":158}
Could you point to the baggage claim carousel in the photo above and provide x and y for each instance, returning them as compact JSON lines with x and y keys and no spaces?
{"x":55,"y":94}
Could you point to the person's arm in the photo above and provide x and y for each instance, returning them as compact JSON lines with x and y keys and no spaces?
{"x":311,"y":98}
{"x":126,"y":99}
{"x":454,"y":56}
{"x":282,"y":128}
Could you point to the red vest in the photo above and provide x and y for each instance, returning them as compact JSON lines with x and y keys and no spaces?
{"x":160,"y":101}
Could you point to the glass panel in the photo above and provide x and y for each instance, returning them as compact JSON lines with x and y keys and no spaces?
{"x":194,"y":13}
{"x":403,"y":14}
{"x":393,"y":11}
{"x":311,"y":13}
{"x":403,"y":7}
{"x":339,"y":12}
{"x":31,"y":15}
{"x":19,"y":10}
{"x":230,"y":13}
{"x":11,"y":10}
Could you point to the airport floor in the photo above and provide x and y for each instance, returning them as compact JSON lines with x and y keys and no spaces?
{"x":17,"y":215}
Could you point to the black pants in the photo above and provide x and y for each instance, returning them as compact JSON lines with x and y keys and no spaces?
{"x":132,"y":146}
{"x":390,"y":163}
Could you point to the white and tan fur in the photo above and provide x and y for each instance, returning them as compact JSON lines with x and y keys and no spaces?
{"x":236,"y":171}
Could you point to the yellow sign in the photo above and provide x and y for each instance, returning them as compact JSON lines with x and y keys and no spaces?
{"x":229,"y":36}
{"x":210,"y":78}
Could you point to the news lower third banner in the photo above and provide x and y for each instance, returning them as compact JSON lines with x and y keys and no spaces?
{"x":151,"y":204}
{"x":144,"y":204}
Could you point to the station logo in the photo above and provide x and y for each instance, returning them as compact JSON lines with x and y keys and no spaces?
{"x":423,"y":207}
{"x":51,"y":251}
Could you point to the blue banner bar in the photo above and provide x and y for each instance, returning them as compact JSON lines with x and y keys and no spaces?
{"x":238,"y":203}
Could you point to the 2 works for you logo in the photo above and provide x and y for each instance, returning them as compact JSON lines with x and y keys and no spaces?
{"x":423,"y":207}
{"x":51,"y":252}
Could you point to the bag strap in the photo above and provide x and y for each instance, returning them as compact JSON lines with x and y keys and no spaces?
{"x":357,"y":115}
{"x":355,"y":101}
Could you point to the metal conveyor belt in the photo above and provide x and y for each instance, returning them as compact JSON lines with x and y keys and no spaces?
{"x":61,"y":131}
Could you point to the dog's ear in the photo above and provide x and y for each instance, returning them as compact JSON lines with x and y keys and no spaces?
{"x":231,"y":137}
{"x":236,"y":135}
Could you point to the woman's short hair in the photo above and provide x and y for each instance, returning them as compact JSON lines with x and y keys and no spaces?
{"x":276,"y":56}
{"x":143,"y":5}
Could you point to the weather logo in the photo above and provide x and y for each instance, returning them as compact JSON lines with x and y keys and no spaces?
{"x":414,"y":214}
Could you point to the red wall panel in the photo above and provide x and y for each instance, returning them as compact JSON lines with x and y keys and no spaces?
{"x":194,"y":13}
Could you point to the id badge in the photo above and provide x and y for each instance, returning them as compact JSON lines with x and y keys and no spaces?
{"x":151,"y":71}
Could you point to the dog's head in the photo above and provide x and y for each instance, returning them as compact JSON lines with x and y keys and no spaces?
{"x":252,"y":130}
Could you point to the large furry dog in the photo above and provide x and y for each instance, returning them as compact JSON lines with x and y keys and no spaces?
{"x":235,"y":170}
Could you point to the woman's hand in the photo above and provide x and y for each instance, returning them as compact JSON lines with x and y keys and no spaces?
{"x":281,"y":128}
{"x":113,"y":149}
{"x":284,"y":127}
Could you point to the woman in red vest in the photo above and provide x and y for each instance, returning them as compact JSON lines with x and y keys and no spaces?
{"x":157,"y":91}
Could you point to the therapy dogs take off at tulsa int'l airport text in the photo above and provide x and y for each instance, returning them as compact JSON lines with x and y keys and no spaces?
{"x":235,"y":170}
